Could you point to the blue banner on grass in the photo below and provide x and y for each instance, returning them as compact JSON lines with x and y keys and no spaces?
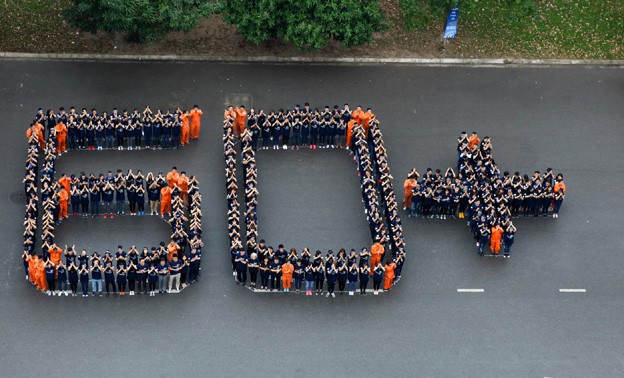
{"x":451,"y":23}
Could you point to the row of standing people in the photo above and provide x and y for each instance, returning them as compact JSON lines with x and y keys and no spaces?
{"x":281,"y":269}
{"x":75,"y":130}
{"x":120,"y":273}
{"x":298,"y":127}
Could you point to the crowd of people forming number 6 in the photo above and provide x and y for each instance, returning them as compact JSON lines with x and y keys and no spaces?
{"x":175,"y":197}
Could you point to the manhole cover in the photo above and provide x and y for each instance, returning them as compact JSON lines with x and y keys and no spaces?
{"x":238,"y":99}
{"x":18,"y":197}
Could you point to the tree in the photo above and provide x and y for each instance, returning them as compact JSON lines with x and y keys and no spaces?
{"x":143,"y":20}
{"x":308,"y":24}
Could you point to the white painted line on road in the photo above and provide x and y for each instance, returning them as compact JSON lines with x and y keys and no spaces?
{"x":572,"y":291}
{"x":470,"y":290}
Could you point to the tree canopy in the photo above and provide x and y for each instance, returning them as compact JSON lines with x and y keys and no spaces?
{"x":144,"y":20}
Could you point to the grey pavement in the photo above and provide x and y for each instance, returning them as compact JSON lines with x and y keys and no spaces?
{"x":568,"y":118}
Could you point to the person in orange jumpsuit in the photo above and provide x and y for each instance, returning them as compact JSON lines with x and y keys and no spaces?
{"x":367,"y":118}
{"x":61,"y":138}
{"x":230,"y":114}
{"x":287,"y":272}
{"x":357,"y":115}
{"x":63,"y":203}
{"x":37,"y":129}
{"x":172,"y":249}
{"x":559,"y":184}
{"x":350,"y":126}
{"x":183,"y":184}
{"x":65,"y":182}
{"x":389,"y":275}
{"x":408,"y":185}
{"x":40,"y":279}
{"x":377,"y":252}
{"x":185,"y":130}
{"x":55,"y":254}
{"x":32,"y":267}
{"x":196,"y":115}
{"x":165,"y":200}
{"x":473,"y":140}
{"x":495,"y":239}
{"x":172,"y":177}
{"x":241,"y":119}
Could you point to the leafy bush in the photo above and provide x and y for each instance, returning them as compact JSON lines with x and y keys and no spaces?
{"x":308,"y":24}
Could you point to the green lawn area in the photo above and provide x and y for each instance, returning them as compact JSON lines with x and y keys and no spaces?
{"x":33,"y":25}
{"x":581,"y":29}
{"x":577,"y":29}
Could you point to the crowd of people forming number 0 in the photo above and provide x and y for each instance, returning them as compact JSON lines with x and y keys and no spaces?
{"x":278,"y":269}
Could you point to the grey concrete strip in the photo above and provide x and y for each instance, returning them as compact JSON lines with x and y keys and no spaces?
{"x":321,"y":60}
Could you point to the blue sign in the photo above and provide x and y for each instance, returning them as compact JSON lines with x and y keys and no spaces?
{"x":451,"y":23}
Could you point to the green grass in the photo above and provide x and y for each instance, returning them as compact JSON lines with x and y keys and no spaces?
{"x":32,"y":25}
{"x":581,"y":29}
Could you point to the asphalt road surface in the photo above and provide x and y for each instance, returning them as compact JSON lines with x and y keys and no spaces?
{"x":521,"y":325}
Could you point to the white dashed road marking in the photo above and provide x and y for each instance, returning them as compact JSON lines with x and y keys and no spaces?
{"x":470,"y":290}
{"x":572,"y":291}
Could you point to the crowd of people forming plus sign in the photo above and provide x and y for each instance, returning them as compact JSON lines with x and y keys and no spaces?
{"x":279,"y":268}
{"x":175,"y":197}
{"x":482,"y":195}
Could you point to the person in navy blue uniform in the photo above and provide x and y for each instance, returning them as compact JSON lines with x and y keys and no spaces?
{"x":275,"y":273}
{"x":142,"y":276}
{"x":176,"y":131}
{"x":109,"y":279}
{"x":265,"y":271}
{"x":84,"y":200}
{"x":331,"y":275}
{"x":61,"y":278}
{"x":49,"y":275}
{"x":94,"y":200}
{"x":122,"y":278}
{"x":253,"y":264}
{"x":255,"y":129}
{"x":120,"y":196}
{"x":84,"y":280}
{"x":343,"y":273}
{"x":175,"y":266}
{"x":352,"y":277}
{"x":152,"y":274}
{"x":132,"y":197}
{"x":132,"y":276}
{"x":265,"y":125}
{"x":298,"y":275}
{"x":121,"y":256}
{"x":276,"y":126}
{"x":72,"y":274}
{"x":108,"y":193}
{"x":286,"y":124}
{"x":157,"y":126}
{"x":378,"y":275}
{"x":74,"y":199}
{"x":364,"y":277}
{"x":319,"y":278}
{"x":163,"y":272}
{"x":508,"y":239}
{"x":314,"y":131}
{"x":296,"y":131}
{"x":194,"y":264}
{"x":310,"y":275}
{"x":305,"y":132}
